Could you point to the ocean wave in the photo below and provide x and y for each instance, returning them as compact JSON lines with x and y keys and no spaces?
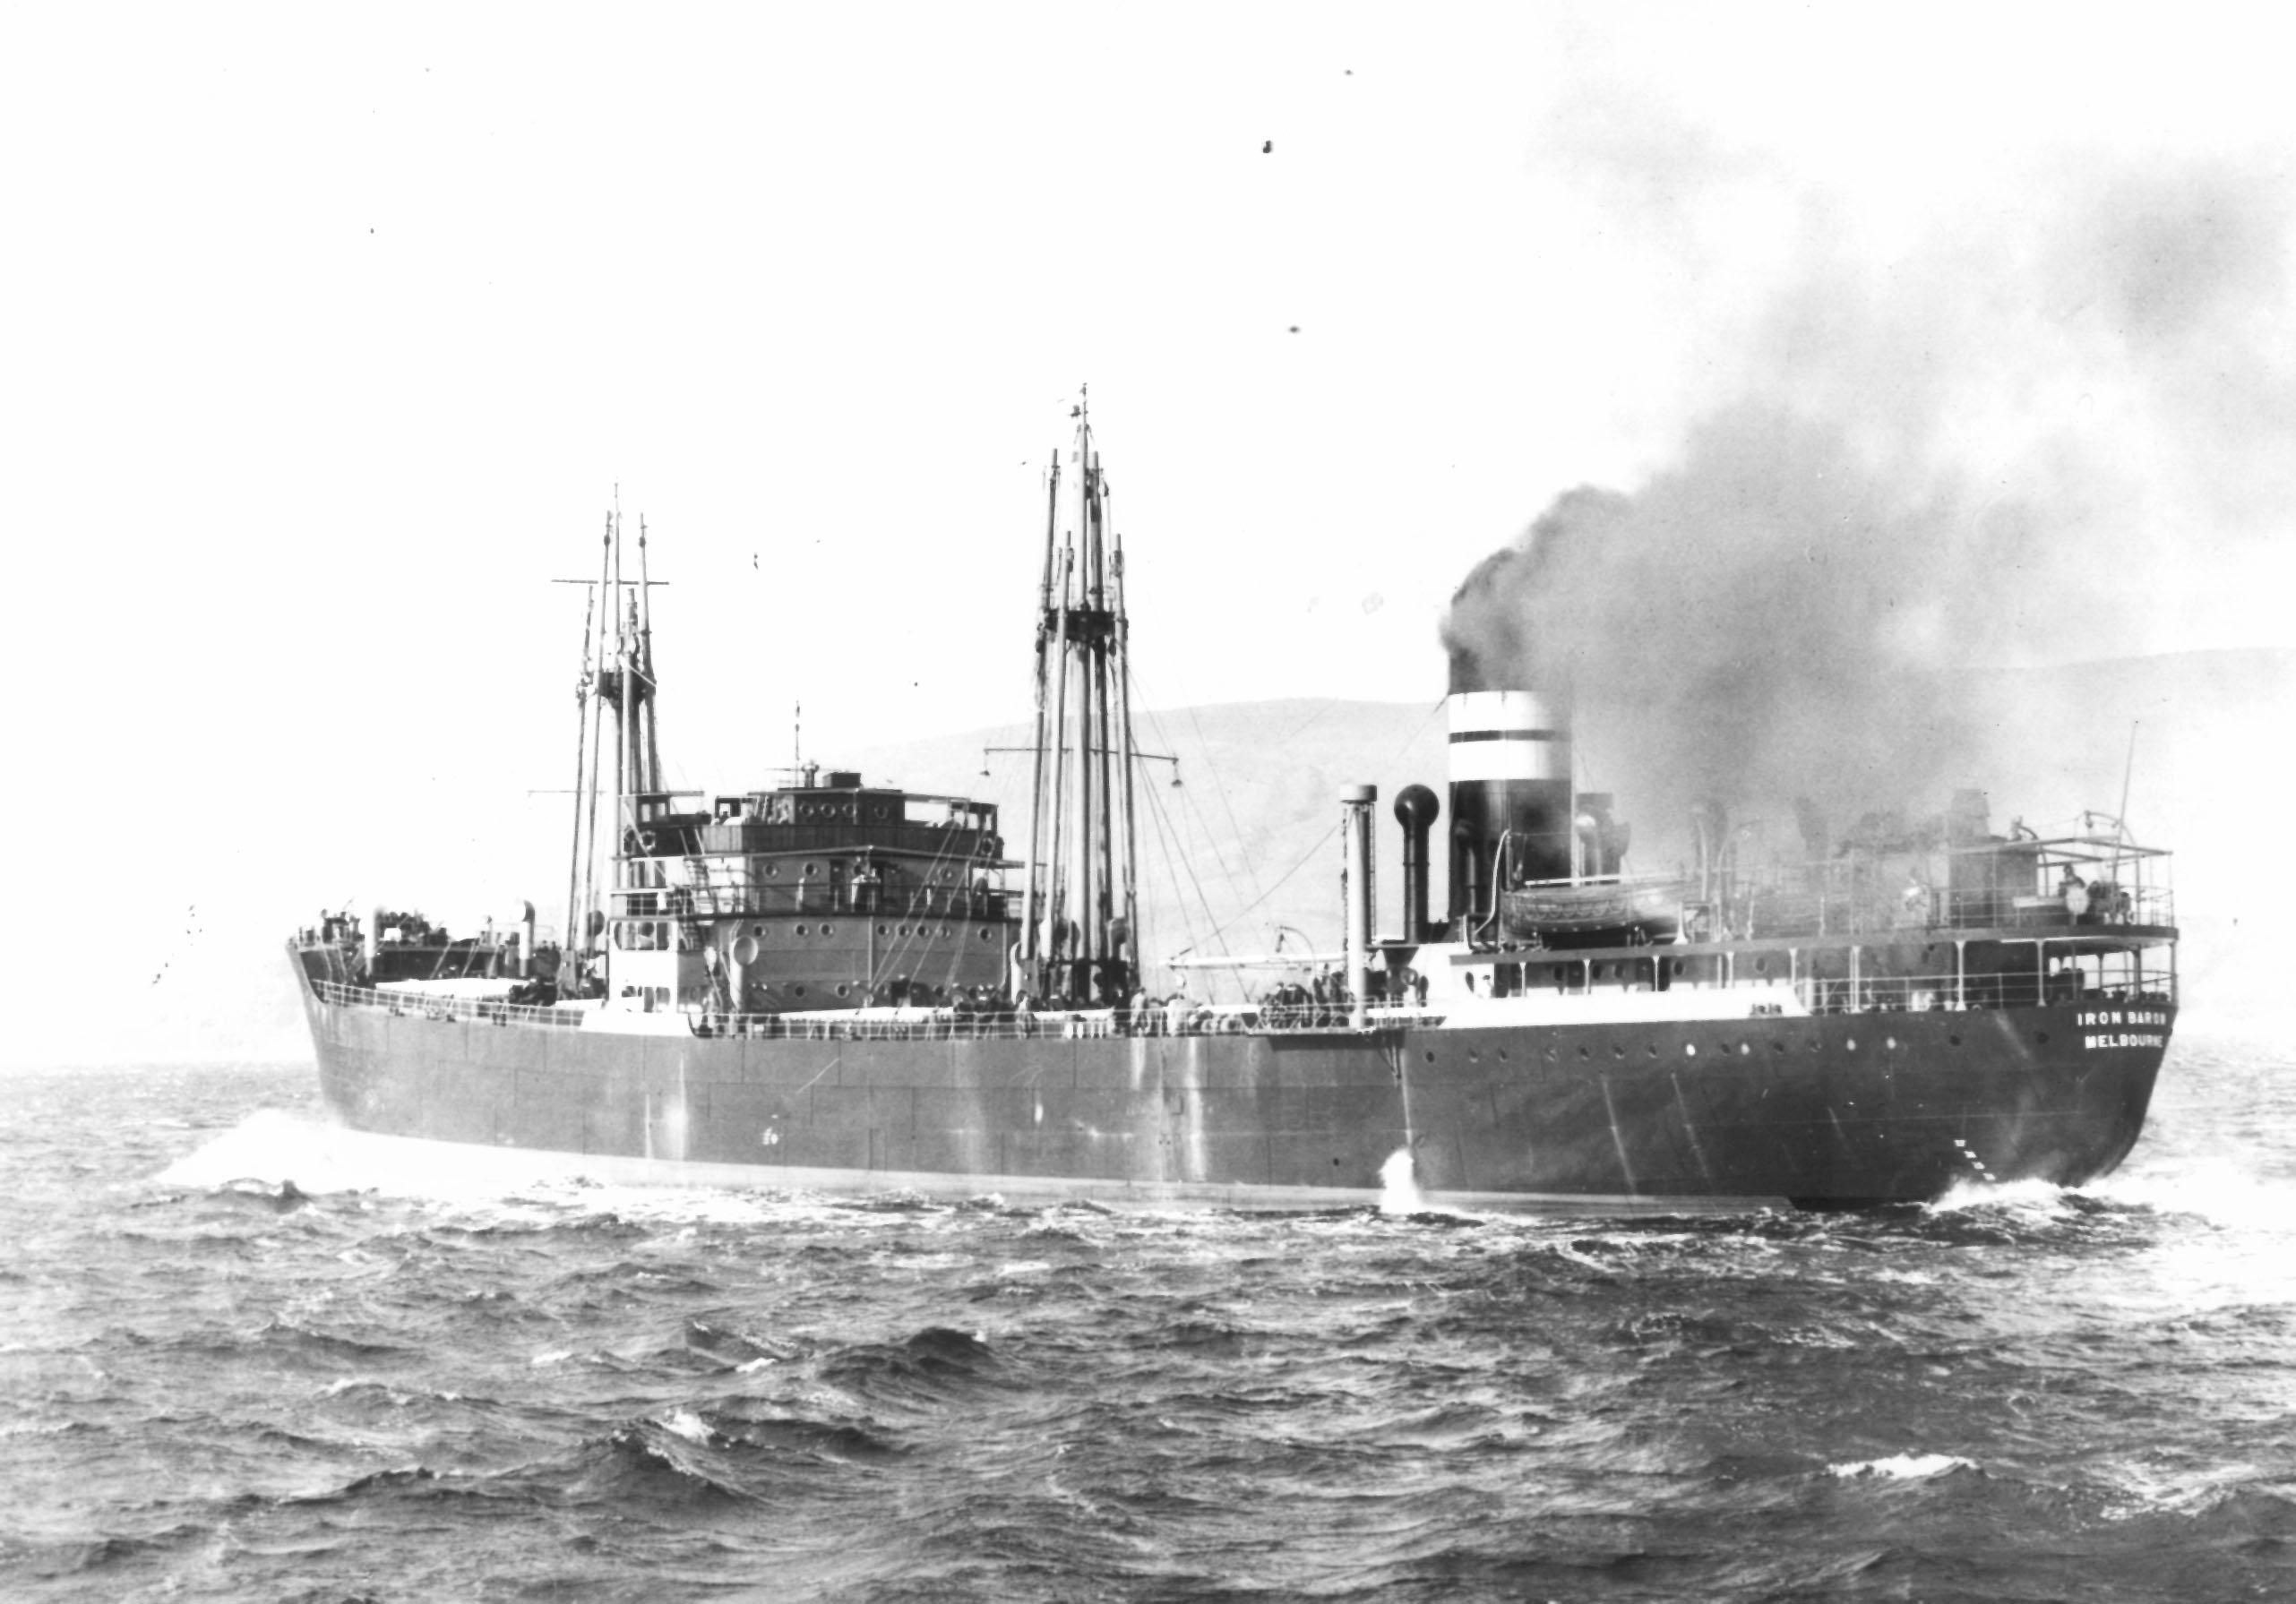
{"x":733,"y":1348}
{"x":282,"y":1333}
{"x":53,"y":1558}
{"x":765,"y":1424}
{"x":656,"y":1466}
{"x":934,"y":1365}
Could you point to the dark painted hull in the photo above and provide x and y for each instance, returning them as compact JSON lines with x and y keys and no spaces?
{"x":1830,"y":1111}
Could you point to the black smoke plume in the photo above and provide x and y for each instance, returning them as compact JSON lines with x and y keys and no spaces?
{"x":1908,"y":494}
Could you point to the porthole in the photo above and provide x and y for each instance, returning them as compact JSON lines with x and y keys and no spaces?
{"x":1745,"y":1050}
{"x":1852,"y":1044}
{"x":1761,"y":966}
{"x":797,"y":990}
{"x":1430,"y":1055}
{"x":1617,"y":1051}
{"x":800,"y":930}
{"x":1890,"y":1043}
{"x":773,"y":871}
{"x":842,"y":988}
{"x":1689,"y":1050}
{"x":948,"y":930}
{"x":904,"y":932}
{"x":829,"y":930}
{"x":1474,"y":1057}
{"x":1953,"y":1041}
{"x":1777,"y":1044}
{"x":883,"y":929}
{"x":987,"y":934}
{"x":878,"y":812}
{"x":1584,"y":1053}
{"x":2043,"y":1036}
{"x":1652,"y":1050}
{"x":1502,"y":1055}
{"x":811,"y":869}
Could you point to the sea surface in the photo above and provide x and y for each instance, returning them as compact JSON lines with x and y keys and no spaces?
{"x":244,"y":1355}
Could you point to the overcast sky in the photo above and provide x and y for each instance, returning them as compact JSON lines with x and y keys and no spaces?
{"x":329,"y":336}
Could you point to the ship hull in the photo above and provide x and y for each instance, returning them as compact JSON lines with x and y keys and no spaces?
{"x":1835,"y":1110}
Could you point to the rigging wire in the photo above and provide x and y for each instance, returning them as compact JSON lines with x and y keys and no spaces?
{"x":1168,"y":831}
{"x":1179,"y":895}
{"x":1219,"y":784}
{"x":1322,"y":842}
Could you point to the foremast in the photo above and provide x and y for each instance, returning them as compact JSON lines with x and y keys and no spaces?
{"x":1080,"y":919}
{"x":617,"y":678}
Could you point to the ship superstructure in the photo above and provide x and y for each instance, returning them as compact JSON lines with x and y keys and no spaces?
{"x":824,"y":983}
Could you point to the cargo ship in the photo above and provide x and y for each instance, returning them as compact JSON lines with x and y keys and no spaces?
{"x":823,"y":983}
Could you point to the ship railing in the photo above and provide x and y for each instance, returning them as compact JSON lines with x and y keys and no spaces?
{"x":1969,"y":993}
{"x":840,"y":832}
{"x":2099,"y":979}
{"x":1854,"y":897}
{"x":450,"y":1009}
{"x":766,"y":901}
{"x":2020,"y":972}
{"x":1159,"y":1019}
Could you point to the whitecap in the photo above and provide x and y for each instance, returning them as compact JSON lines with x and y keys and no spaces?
{"x":1972,"y":1193}
{"x":1904,"y":1467}
{"x":686,"y":1423}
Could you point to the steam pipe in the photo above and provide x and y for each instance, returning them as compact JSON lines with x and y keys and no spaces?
{"x":1416,"y":809}
{"x":1356,"y":822}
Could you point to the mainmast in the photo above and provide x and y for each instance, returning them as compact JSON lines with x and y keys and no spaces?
{"x":1080,"y":937}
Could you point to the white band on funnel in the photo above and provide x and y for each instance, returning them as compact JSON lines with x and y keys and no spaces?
{"x":1508,"y":736}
